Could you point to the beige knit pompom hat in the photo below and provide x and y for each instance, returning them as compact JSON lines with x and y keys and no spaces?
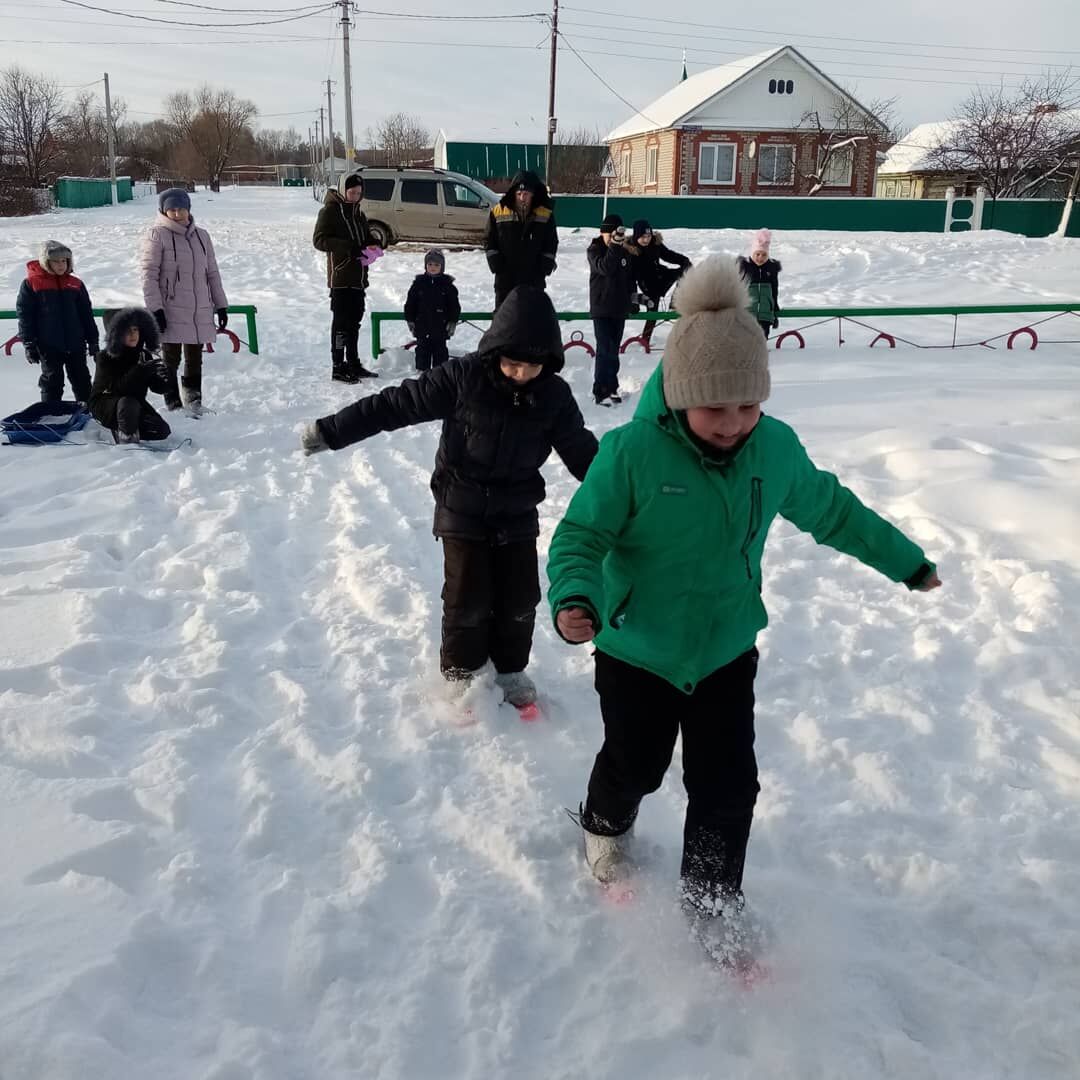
{"x":716,"y":353}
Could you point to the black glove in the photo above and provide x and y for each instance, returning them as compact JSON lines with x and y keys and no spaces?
{"x":412,"y":328}
{"x":222,"y":317}
{"x":92,"y":349}
{"x":451,"y":330}
{"x":159,"y":318}
{"x":32,"y":354}
{"x":776,"y":320}
{"x":618,"y":235}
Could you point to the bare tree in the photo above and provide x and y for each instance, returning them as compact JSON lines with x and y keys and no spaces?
{"x":838,"y":133}
{"x":400,"y":138}
{"x":1018,"y":143}
{"x":31,"y":108}
{"x":83,"y":132}
{"x":577,"y":160}
{"x":212,"y":122}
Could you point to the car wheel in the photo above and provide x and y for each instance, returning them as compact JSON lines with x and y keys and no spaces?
{"x":381,"y":234}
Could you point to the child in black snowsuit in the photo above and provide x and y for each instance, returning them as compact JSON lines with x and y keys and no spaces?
{"x":504,"y":409}
{"x":126,"y":370}
{"x":432,"y":310}
{"x":56,"y":323}
{"x":762,"y":275}
{"x":652,"y":278}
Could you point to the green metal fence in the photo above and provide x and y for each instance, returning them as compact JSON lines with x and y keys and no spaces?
{"x":1028,"y":217}
{"x":79,"y":193}
{"x":794,"y":314}
{"x":247,"y":310}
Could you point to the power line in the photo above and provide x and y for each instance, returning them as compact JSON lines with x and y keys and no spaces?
{"x":236,"y":11}
{"x":829,"y":37}
{"x":819,"y":48}
{"x":454,"y":18}
{"x":637,"y":112}
{"x":201,"y":26}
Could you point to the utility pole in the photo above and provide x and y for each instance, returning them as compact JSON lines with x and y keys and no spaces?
{"x":111,"y":141}
{"x":322,"y":141}
{"x":552,"y":122}
{"x":330,"y":123}
{"x":350,"y":145}
{"x":1070,"y":199}
{"x":311,"y":158}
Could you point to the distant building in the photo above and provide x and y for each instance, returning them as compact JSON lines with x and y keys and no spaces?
{"x":493,"y":156}
{"x":908,"y":171}
{"x":739,"y":129}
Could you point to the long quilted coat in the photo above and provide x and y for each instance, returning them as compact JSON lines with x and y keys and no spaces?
{"x":180,"y":276}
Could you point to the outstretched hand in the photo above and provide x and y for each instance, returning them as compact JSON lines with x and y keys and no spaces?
{"x":931,"y":582}
{"x":576,"y":625}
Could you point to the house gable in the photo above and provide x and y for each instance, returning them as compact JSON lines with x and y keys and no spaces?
{"x":748,"y":103}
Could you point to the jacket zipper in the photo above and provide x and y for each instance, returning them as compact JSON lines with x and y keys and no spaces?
{"x":754,"y":526}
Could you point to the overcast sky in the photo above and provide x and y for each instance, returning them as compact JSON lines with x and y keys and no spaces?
{"x":475,"y":75}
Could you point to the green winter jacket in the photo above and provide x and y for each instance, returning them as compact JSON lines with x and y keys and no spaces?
{"x":663,"y":543}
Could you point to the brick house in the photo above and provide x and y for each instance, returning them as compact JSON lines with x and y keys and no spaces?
{"x":739,"y":129}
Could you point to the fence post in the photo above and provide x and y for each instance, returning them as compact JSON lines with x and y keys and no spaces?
{"x":950,"y":199}
{"x":253,"y":333}
{"x":376,"y":335}
{"x":977,"y":212}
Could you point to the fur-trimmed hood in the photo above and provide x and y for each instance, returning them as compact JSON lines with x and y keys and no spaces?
{"x":117,"y":324}
{"x":531,"y":182}
{"x":53,"y":249}
{"x":637,"y":249}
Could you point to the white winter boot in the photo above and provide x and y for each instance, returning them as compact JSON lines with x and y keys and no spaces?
{"x":518,"y":689}
{"x":607,"y":856}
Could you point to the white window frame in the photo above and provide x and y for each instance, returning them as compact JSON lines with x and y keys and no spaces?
{"x":652,"y":164}
{"x":790,"y":181}
{"x":846,"y":154}
{"x":626,"y":167}
{"x":715,"y":147}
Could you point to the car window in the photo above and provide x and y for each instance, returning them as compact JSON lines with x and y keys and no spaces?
{"x":460,"y":195}
{"x":378,"y":190}
{"x":420,"y":191}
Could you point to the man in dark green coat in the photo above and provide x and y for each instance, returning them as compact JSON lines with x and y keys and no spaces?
{"x":341,"y":230}
{"x":658,"y":560}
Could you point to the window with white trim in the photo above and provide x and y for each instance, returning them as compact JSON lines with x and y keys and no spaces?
{"x":652,"y":164}
{"x":776,"y":164}
{"x":716,"y":163}
{"x":838,"y":168}
{"x":626,"y":174}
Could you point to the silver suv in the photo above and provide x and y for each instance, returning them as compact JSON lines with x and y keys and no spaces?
{"x":428,"y":206}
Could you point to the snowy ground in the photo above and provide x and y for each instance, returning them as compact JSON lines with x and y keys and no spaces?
{"x":243,"y":840}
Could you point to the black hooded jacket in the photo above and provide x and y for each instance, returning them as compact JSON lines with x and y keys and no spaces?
{"x":611,"y":280}
{"x":651,"y":277}
{"x":496,"y":435}
{"x":123,"y":372}
{"x":341,"y":230}
{"x":521,"y":251}
{"x":432,"y":304}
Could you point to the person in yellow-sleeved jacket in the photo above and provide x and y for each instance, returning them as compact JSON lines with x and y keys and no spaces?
{"x":521,"y":236}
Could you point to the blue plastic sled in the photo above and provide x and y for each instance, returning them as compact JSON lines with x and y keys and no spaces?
{"x":43,"y":423}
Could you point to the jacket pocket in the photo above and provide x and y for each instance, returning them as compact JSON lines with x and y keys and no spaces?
{"x":754,"y":525}
{"x":618,"y":615}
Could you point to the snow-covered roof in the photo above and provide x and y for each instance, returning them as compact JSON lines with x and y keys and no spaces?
{"x":529,"y":132}
{"x":912,"y":152}
{"x":666,"y":111}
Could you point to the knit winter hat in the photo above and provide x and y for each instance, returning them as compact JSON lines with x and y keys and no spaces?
{"x":641,"y":227}
{"x":53,"y":249}
{"x":174,"y":199}
{"x":435,"y":256}
{"x":716,"y":353}
{"x":351,"y":181}
{"x":611,"y":223}
{"x":762,"y":240}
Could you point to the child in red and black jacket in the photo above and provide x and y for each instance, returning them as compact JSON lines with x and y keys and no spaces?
{"x":56,"y":323}
{"x":432,"y":310}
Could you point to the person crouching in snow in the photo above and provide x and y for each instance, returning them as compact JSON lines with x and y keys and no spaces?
{"x":652,"y":278}
{"x":504,"y":409}
{"x":762,"y":276}
{"x":432,"y":310}
{"x":658,"y":560}
{"x":126,"y":371}
{"x":56,"y":323}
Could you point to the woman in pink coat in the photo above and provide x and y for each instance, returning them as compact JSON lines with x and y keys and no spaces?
{"x":182,"y":286}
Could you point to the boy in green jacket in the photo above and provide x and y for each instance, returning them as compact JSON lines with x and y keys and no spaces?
{"x":658,"y":560}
